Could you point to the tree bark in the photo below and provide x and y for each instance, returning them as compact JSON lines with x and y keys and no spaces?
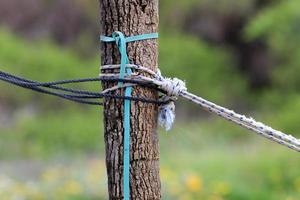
{"x":132,"y":17}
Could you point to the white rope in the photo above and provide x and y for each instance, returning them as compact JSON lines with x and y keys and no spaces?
{"x":176,"y":88}
{"x":118,"y":87}
{"x":173,"y":86}
{"x":136,"y":67}
{"x":243,"y":121}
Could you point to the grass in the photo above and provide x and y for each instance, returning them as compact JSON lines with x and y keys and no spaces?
{"x":197,"y":162}
{"x":47,"y":134}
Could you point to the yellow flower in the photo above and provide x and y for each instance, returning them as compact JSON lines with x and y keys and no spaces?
{"x":194,"y":183}
{"x":221,"y":188}
{"x":72,"y":187}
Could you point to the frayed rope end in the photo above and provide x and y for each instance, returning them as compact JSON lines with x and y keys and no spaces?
{"x":166,"y":115}
{"x":173,"y":87}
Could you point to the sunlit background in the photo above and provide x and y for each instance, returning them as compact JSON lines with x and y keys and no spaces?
{"x":242,"y":54}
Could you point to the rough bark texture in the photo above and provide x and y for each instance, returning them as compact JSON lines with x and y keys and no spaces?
{"x":132,"y":17}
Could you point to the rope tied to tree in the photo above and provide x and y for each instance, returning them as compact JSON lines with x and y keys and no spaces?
{"x":127,"y":78}
{"x":167,"y":116}
{"x":173,"y":88}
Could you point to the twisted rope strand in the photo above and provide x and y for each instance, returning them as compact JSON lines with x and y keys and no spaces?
{"x":243,"y":121}
{"x":175,"y":87}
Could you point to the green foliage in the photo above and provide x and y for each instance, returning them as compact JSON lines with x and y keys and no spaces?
{"x":40,"y":61}
{"x":286,"y":117}
{"x":279,"y":25}
{"x":75,"y":130}
{"x":173,"y":15}
{"x":53,"y":126}
{"x":277,"y":21}
{"x":207,"y":70}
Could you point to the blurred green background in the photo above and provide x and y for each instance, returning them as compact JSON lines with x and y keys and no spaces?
{"x":243,"y":54}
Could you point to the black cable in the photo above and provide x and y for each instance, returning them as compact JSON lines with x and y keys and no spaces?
{"x":61,"y":82}
{"x":80,"y":95}
{"x":61,"y":95}
{"x":31,"y":84}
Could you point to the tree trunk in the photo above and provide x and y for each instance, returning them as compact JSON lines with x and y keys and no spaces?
{"x":132,"y":17}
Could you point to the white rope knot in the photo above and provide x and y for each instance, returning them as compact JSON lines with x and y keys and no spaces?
{"x":173,"y":86}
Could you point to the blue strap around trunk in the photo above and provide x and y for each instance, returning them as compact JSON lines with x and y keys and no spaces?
{"x":121,"y":41}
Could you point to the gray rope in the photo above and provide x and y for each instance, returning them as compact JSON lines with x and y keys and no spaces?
{"x":174,"y":88}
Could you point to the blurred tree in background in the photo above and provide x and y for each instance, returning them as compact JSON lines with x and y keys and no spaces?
{"x":241,"y":54}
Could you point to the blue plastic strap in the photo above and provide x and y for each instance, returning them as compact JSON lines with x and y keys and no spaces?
{"x":126,"y":169}
{"x":142,"y":37}
{"x":106,"y":39}
{"x":131,"y":38}
{"x":121,"y":41}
